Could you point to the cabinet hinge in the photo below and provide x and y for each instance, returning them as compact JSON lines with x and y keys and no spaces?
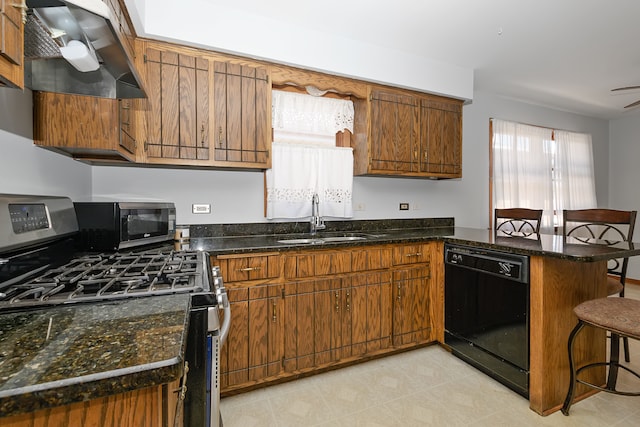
{"x":283,"y":361}
{"x":282,"y":292}
{"x":144,"y":57}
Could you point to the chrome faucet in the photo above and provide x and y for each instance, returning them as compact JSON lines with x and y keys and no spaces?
{"x":317,"y":223}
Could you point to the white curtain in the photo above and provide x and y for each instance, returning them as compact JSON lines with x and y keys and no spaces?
{"x":522,"y":168}
{"x":305,"y":160}
{"x":300,"y":171}
{"x":309,"y":119}
{"x":574,"y":178}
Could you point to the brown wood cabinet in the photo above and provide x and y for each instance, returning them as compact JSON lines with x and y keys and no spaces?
{"x":406,"y":133}
{"x":242,"y":115}
{"x":441,"y":138}
{"x":253,"y":350}
{"x":303,"y":311}
{"x":176,"y":117}
{"x":203,"y":108}
{"x":147,"y":407}
{"x":11,"y":44}
{"x":393,"y":140}
{"x":84,"y":126}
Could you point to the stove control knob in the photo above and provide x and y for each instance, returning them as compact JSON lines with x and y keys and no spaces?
{"x":215,"y":271}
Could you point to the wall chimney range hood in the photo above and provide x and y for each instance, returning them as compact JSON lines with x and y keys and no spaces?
{"x":61,"y":38}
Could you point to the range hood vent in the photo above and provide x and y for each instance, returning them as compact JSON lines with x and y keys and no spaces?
{"x":85,"y":31}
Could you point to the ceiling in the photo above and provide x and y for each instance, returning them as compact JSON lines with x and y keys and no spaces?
{"x":563,"y":54}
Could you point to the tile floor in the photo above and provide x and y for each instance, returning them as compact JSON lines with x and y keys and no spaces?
{"x":424,"y":387}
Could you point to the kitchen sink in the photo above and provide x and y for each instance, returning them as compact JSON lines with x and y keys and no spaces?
{"x":343,"y":238}
{"x":327,"y":238}
{"x":301,"y":241}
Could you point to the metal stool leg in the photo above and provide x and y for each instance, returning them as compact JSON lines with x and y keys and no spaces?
{"x":572,"y":368}
{"x":614,"y":358}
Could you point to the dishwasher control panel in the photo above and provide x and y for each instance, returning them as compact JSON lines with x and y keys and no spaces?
{"x":514,"y":267}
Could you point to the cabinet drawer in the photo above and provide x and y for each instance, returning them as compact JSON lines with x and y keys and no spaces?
{"x":317,"y":263}
{"x":244,"y":268}
{"x":411,"y":254}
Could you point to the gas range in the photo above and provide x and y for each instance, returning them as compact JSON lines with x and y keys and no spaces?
{"x":108,"y":276}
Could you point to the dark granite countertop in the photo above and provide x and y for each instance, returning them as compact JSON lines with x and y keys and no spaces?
{"x":76,"y":352}
{"x":547,"y":245}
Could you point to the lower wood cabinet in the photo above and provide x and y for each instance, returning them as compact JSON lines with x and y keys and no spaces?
{"x":253,"y":350}
{"x":307,"y":310}
{"x":147,"y":407}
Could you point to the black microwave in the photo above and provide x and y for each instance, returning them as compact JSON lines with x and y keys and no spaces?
{"x":106,"y":226}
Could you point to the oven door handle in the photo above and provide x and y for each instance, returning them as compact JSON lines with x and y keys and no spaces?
{"x":226,"y":319}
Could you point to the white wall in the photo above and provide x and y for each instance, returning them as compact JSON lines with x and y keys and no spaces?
{"x":216,"y":25}
{"x":27,"y":169}
{"x":624,"y":177}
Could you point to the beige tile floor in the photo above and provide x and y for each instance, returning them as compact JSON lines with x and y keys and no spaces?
{"x":424,"y":387}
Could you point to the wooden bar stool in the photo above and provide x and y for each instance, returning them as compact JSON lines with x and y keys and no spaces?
{"x":517,"y":221}
{"x":620,"y":317}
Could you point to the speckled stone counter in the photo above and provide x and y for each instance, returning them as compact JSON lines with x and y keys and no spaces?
{"x":548,"y":245}
{"x":70,"y":353}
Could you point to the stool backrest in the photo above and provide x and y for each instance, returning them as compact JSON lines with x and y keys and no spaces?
{"x":602,"y":227}
{"x":517,"y":221}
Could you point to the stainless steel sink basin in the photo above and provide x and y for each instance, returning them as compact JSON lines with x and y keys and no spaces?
{"x":343,"y":238}
{"x":301,"y":241}
{"x":334,"y":237}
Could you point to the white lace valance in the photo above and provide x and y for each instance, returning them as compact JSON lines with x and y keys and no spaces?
{"x":308,"y":114}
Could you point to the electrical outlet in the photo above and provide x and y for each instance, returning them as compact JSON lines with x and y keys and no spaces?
{"x":201,"y":208}
{"x":404,"y":206}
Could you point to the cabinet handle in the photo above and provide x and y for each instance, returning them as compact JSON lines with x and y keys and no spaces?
{"x":348,"y":301}
{"x":249,"y":269}
{"x":182,"y":390}
{"x":414,"y":255}
{"x":337,"y":301}
{"x":399,"y":292}
{"x":220,"y":136}
{"x":23,"y":9}
{"x":273,"y":311}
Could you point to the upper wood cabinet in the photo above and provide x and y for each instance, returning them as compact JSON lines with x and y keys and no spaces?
{"x":405,"y":133}
{"x":441,"y":138}
{"x":174,"y":124}
{"x":242,"y":115}
{"x":84,"y":127}
{"x":393,"y":137}
{"x":11,"y":44}
{"x":203,"y":109}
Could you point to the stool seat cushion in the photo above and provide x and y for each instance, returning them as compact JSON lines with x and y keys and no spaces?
{"x":614,"y":287}
{"x":619,"y":315}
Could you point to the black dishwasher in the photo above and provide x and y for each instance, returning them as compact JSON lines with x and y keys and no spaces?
{"x":487,"y":312}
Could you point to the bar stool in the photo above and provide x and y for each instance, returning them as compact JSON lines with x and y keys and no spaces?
{"x":621,"y":318}
{"x":604,"y":227}
{"x":517,"y":221}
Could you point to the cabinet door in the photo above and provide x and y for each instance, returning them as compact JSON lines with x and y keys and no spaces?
{"x":411,"y":319}
{"x":242,"y":115}
{"x":441,"y":138}
{"x":84,"y":126}
{"x":11,"y":44}
{"x":368,"y":300}
{"x":253,"y":350}
{"x":177,"y":108}
{"x":313,"y":329}
{"x":394,"y":132}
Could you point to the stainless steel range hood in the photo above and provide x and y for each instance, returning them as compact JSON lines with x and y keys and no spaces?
{"x":54,"y":25}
